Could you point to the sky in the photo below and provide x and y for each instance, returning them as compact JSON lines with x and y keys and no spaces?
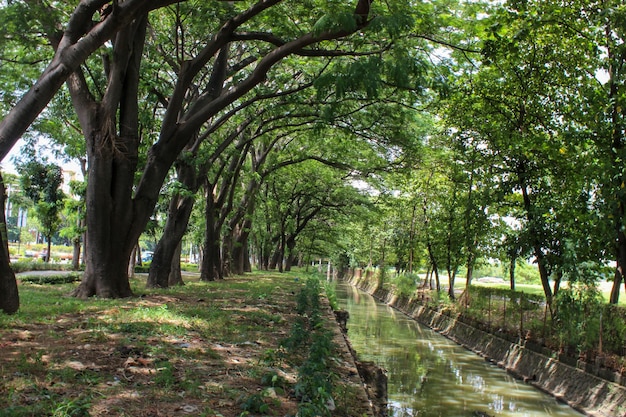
{"x":8,"y":165}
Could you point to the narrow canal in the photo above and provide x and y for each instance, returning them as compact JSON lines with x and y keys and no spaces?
{"x":429,"y":375}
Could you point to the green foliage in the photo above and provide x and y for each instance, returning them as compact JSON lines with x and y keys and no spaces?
{"x":527,"y":273}
{"x":315,"y":379}
{"x":255,"y":403}
{"x":272,"y":379}
{"x":25,"y":266}
{"x":613,"y":328}
{"x":405,"y":284}
{"x":331,"y":294}
{"x":578,"y":316}
{"x":342,"y":21}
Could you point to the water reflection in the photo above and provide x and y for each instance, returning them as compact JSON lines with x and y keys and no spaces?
{"x":431,"y":376}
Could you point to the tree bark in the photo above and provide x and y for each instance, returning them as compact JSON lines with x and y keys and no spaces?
{"x":512,"y":265}
{"x":112,"y":229}
{"x":164,"y":259}
{"x":176,"y":276}
{"x":211,"y":266}
{"x":9,"y":295}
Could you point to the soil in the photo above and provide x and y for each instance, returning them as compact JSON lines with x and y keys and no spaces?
{"x":217,"y":352}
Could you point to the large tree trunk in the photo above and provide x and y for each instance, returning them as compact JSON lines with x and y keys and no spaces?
{"x":113,"y":222}
{"x":81,"y":38}
{"x":108,"y":225}
{"x":240,"y":262}
{"x":9,"y":296}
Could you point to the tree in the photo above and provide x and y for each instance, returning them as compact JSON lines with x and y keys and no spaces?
{"x":41,"y":183}
{"x":110,"y":151}
{"x":74,"y":213}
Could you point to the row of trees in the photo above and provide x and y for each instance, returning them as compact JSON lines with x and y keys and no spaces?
{"x":483,"y":131}
{"x":527,"y":157}
{"x":204,"y":89}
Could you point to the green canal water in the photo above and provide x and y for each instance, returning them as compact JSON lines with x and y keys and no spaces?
{"x":429,"y":375}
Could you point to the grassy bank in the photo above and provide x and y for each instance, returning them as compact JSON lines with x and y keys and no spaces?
{"x":203,"y":349}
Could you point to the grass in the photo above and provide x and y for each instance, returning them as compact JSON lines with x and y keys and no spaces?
{"x":190,"y":350}
{"x":531,"y":288}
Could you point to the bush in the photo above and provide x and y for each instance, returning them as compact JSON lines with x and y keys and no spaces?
{"x":24,"y":266}
{"x":52,"y":279}
{"x":405,"y":284}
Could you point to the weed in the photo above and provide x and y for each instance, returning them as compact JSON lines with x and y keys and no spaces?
{"x":31,"y":365}
{"x":72,"y":408}
{"x":255,"y":403}
{"x":331,"y":294}
{"x":165,"y":377}
{"x":315,"y":381}
{"x":272,"y":357}
{"x":272,"y":379}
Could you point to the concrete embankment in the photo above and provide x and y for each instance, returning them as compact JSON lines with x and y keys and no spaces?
{"x":590,"y":394}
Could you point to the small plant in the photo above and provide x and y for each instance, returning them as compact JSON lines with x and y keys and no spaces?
{"x":255,"y":403}
{"x":72,"y":408}
{"x":272,"y":357}
{"x":272,"y":379}
{"x":165,"y":377}
{"x":405,"y":284}
{"x":331,"y":295}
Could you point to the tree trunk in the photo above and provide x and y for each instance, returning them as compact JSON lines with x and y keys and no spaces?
{"x":534,"y":233}
{"x":470,"y":270}
{"x":106,"y":273}
{"x":76,"y":255}
{"x":9,"y":295}
{"x":512,"y":272}
{"x":48,"y":249}
{"x":239,"y":252}
{"x":291,"y":255}
{"x":433,"y":263}
{"x":451,"y":279}
{"x":163,"y":259}
{"x":176,"y":276}
{"x":133,"y":261}
{"x":211,"y":261}
{"x":620,"y":258}
{"x":113,"y":222}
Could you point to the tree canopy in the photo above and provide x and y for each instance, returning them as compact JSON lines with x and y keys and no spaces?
{"x":436,"y":135}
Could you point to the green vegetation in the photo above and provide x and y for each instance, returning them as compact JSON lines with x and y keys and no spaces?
{"x":461,"y":140}
{"x":315,"y":386}
{"x":200,"y":345}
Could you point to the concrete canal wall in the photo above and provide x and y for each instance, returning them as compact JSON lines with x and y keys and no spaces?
{"x":584,"y":391}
